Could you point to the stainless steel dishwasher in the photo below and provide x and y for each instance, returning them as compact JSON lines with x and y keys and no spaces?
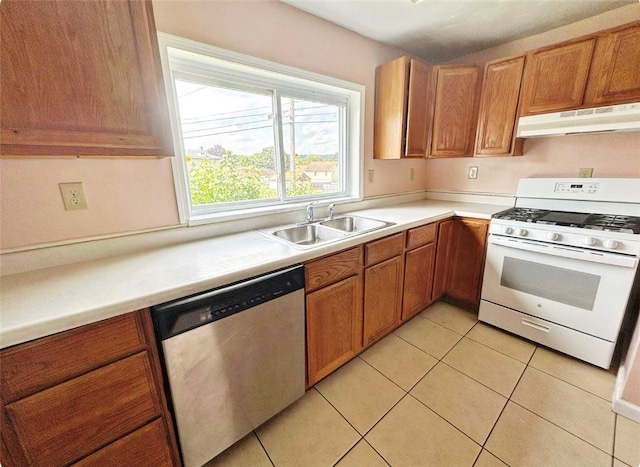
{"x":233,"y":358}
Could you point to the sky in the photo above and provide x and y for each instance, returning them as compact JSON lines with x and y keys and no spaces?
{"x":242,"y":121}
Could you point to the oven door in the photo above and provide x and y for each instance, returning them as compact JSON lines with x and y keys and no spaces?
{"x":581,"y":289}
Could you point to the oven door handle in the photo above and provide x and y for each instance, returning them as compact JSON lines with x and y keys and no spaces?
{"x":565,"y":252}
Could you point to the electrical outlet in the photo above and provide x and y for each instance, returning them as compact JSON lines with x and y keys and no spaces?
{"x":73,"y":196}
{"x":585,"y":173}
{"x":412,"y":174}
{"x":370,"y":175}
{"x":473,"y":172}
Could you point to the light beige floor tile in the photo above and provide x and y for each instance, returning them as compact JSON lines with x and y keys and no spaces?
{"x":450,"y":316}
{"x":247,"y":451}
{"x":523,"y":438}
{"x":412,"y":435}
{"x":587,"y":416}
{"x":463,"y":402}
{"x":588,"y":377}
{"x":428,"y":336}
{"x":487,"y":366}
{"x":401,"y":362}
{"x":503,"y":342}
{"x":362,"y":455}
{"x":486,"y":459}
{"x":360,"y":393}
{"x":308,"y":433}
{"x":617,"y":463}
{"x":627,"y":447}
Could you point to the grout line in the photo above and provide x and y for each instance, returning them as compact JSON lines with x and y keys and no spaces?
{"x":255,"y":433}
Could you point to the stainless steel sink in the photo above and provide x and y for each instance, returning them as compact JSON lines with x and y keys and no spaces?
{"x":322,"y":232}
{"x":355,"y":224}
{"x":311,"y":234}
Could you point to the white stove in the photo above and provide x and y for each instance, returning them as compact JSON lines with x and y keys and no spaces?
{"x":562,"y":264}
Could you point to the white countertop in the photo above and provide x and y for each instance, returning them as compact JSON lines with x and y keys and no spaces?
{"x":42,"y":302}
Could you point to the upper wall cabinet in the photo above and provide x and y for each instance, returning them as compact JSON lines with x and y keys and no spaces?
{"x":455,"y":111}
{"x":556,"y":77}
{"x":403,"y":109}
{"x":81,"y":79}
{"x":499,"y":108}
{"x":615,"y":69}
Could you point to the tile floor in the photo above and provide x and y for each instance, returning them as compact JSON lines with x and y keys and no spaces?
{"x":446,"y":390}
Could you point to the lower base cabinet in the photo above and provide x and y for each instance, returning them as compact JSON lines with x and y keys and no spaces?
{"x":86,"y":395}
{"x":466,"y":261}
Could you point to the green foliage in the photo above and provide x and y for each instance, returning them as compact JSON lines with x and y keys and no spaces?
{"x":228,"y":177}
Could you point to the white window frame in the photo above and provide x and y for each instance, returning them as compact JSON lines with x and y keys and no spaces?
{"x":185,"y":56}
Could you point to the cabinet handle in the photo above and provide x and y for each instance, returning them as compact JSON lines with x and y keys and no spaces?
{"x":537,"y":326}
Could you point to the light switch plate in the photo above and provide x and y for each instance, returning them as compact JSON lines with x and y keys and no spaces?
{"x":585,"y":173}
{"x":473,"y":172}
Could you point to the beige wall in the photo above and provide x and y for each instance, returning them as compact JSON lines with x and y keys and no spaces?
{"x":130,"y":195}
{"x":611,"y":155}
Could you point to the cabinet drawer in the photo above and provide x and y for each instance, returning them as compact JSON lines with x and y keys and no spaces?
{"x":61,"y":424}
{"x":421,"y":235}
{"x":145,"y":447}
{"x":40,"y":364}
{"x":331,"y":269}
{"x":385,"y":248}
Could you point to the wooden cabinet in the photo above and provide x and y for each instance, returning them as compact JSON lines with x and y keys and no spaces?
{"x":402,"y":121}
{"x":334,"y":312}
{"x":466,"y":261}
{"x":497,"y":117}
{"x":442,"y":260}
{"x":81,"y":79}
{"x":615,"y":69}
{"x":455,"y":111}
{"x":555,"y":77}
{"x":418,"y":269}
{"x":87,"y":393}
{"x":383,"y":276}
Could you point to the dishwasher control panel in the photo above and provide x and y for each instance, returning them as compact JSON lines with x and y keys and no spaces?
{"x":181,"y":315}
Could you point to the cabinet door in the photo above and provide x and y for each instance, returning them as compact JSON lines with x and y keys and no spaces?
{"x":382,"y":298}
{"x":419,"y":109}
{"x":499,"y":108}
{"x":615,"y":70}
{"x":555,"y":78}
{"x":418,"y":280}
{"x":467,"y":261}
{"x":390,"y":109}
{"x":334,"y":327}
{"x":81,"y":78}
{"x":454,"y":117}
{"x":443,"y":255}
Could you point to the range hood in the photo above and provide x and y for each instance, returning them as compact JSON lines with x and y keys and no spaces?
{"x":624,"y":117}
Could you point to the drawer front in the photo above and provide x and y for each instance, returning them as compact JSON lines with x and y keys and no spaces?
{"x":331,"y":269}
{"x":146,"y":447}
{"x":61,"y":424}
{"x":421,"y":235}
{"x":383,"y":249}
{"x":28,"y":368}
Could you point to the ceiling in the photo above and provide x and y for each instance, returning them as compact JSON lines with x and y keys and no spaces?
{"x":441,"y":30}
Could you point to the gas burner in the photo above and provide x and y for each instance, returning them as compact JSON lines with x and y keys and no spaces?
{"x":612,"y":223}
{"x":521,"y":214}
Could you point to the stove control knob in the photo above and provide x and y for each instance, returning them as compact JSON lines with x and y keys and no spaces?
{"x":553,"y":236}
{"x":611,"y":244}
{"x":589,"y":241}
{"x":522,"y":232}
{"x":507,"y":230}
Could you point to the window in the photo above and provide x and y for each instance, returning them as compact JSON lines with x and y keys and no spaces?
{"x":253,"y":136}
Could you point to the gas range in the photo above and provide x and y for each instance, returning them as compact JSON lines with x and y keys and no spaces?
{"x":542,"y":214}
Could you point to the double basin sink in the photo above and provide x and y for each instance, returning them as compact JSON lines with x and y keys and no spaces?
{"x":330,"y":230}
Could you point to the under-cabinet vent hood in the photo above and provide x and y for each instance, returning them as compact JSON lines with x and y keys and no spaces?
{"x":624,"y":117}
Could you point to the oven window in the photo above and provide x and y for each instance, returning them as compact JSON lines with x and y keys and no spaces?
{"x":560,"y":285}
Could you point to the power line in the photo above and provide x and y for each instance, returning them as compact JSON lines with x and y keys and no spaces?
{"x":248,"y":129}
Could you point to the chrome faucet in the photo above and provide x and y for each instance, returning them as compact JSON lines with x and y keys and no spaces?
{"x":331,"y":208}
{"x":310,"y":211}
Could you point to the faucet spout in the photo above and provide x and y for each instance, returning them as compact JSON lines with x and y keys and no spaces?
{"x":310,"y":211}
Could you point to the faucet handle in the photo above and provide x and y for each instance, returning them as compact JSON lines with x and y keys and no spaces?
{"x":331,"y":208}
